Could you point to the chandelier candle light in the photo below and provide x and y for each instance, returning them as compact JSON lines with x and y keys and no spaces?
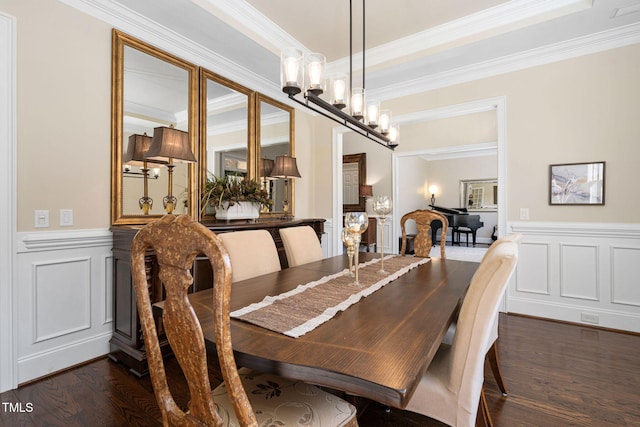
{"x":382,"y":206}
{"x":365,"y":118}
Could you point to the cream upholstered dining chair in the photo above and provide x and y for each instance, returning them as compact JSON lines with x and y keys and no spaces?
{"x":245,"y":398}
{"x":422,"y":243}
{"x":451,"y":390}
{"x":301,"y":245}
{"x":492,"y":350}
{"x":252,"y":252}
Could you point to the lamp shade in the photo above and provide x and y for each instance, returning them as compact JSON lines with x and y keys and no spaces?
{"x":285,"y":167}
{"x":266,"y":166}
{"x":170,"y":143}
{"x":137,"y":150}
{"x":366,"y":191}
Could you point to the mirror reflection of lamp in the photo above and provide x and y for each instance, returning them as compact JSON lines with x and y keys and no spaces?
{"x":285,"y":167}
{"x":433,"y":189}
{"x":171,"y":145}
{"x":366,"y":191}
{"x":266,"y":166}
{"x":136,"y":155}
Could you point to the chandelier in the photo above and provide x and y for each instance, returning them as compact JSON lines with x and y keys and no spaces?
{"x":306,"y":74}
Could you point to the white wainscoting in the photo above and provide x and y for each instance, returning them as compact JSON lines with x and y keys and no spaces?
{"x":578,"y":272}
{"x":65,"y":299}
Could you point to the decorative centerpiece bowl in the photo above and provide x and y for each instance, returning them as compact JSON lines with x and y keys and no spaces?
{"x":234,"y":197}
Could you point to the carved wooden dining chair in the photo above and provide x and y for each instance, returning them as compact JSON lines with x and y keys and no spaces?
{"x":246,"y":398}
{"x":252,"y":252}
{"x":422,"y":243}
{"x":451,"y":390}
{"x":301,"y":244}
{"x":492,"y":350}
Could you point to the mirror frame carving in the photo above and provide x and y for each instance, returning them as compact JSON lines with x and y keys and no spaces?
{"x":118,"y":42}
{"x":254,"y":171}
{"x":206,"y":75}
{"x":361,"y":160}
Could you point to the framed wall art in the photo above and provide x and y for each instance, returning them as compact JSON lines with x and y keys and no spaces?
{"x":576,"y":184}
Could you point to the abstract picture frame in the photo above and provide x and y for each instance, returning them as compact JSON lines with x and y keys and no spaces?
{"x":577,"y":183}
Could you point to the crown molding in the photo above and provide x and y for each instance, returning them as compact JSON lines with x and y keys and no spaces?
{"x":141,"y":27}
{"x":505,"y":15}
{"x":461,"y":151}
{"x":253,"y":23}
{"x":606,"y":40}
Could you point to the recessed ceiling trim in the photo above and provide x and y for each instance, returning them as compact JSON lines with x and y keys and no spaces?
{"x":505,"y":15}
{"x":248,"y":20}
{"x":627,"y":10}
{"x":606,"y":40}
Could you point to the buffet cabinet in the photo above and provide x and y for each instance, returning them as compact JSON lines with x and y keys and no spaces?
{"x":127,"y":342}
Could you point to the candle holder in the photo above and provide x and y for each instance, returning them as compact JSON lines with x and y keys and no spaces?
{"x":382,"y":206}
{"x":356,"y":223}
{"x":347,"y":239}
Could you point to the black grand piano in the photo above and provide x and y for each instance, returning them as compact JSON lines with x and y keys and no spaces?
{"x":459,"y":221}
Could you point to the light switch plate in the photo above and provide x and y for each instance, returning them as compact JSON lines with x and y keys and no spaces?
{"x":524,"y":214}
{"x":41,"y":218}
{"x":66,"y":217}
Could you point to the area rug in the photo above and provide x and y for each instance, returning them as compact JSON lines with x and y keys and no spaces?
{"x":460,"y":253}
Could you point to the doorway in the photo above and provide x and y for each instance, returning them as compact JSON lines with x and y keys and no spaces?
{"x":498,"y":104}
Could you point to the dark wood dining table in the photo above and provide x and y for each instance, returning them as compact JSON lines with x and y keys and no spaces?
{"x":378,"y":348}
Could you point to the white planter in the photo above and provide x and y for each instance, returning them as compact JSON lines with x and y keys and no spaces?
{"x":241,"y":210}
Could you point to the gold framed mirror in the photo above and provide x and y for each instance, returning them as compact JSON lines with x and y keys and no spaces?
{"x":150,"y":89}
{"x":227,"y":131}
{"x":275,"y":137}
{"x":354,"y":176}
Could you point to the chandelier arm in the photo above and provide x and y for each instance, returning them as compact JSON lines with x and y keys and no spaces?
{"x":344,"y":119}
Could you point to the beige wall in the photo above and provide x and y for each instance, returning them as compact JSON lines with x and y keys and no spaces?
{"x":578,"y":110}
{"x":64,"y":69}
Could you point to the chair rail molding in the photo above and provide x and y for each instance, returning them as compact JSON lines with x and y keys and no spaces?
{"x":578,"y":272}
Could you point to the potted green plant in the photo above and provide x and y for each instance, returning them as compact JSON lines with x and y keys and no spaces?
{"x":234,"y":197}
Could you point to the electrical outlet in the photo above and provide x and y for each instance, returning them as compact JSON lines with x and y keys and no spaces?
{"x":590,"y":318}
{"x":41,"y":218}
{"x":66,"y":217}
{"x":524,"y":214}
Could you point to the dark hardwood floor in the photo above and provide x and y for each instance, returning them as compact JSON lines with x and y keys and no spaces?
{"x":557,"y":375}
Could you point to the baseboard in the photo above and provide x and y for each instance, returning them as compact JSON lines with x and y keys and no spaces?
{"x":607,"y":319}
{"x":56,"y":359}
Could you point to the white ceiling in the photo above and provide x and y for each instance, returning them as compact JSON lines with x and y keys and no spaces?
{"x":411,"y":45}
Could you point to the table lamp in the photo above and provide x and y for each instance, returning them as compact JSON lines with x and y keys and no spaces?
{"x":285,"y":167}
{"x":171,"y":145}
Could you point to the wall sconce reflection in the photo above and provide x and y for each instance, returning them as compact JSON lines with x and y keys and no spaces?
{"x":130,"y":172}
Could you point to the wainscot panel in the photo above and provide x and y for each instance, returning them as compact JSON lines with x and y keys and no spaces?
{"x":64,"y":299}
{"x":578,"y":272}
